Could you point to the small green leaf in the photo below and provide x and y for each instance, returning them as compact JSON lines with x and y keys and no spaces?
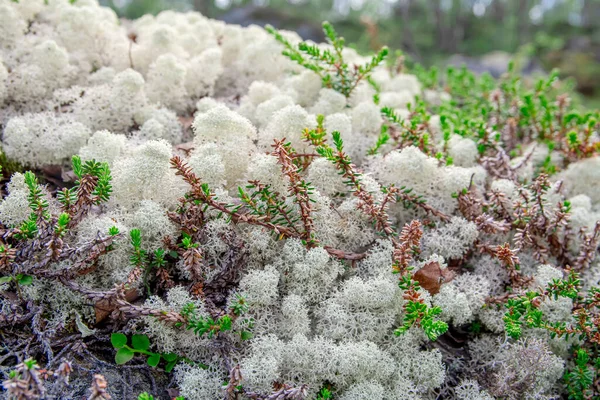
{"x":24,"y":280}
{"x":123,"y":355}
{"x":77,"y":168}
{"x":170,"y":357}
{"x":169,"y":367}
{"x":140,"y":342}
{"x":118,"y":340}
{"x":136,"y":238}
{"x":5,"y":279}
{"x":246,"y":335}
{"x":225,"y":323}
{"x":153,"y":360}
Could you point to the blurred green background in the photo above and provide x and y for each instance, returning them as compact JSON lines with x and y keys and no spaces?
{"x":483,"y":34}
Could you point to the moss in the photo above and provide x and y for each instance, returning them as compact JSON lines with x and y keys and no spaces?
{"x":9,"y":167}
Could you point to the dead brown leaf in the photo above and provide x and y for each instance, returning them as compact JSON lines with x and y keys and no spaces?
{"x":431,"y":277}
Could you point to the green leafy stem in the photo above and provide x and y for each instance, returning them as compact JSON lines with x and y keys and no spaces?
{"x":140,"y":345}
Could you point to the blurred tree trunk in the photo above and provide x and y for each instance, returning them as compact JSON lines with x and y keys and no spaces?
{"x":523,"y":21}
{"x":408,"y":41}
{"x":457,"y":28}
{"x":440,"y":30}
{"x":202,"y":6}
{"x":498,"y":11}
{"x":590,"y":13}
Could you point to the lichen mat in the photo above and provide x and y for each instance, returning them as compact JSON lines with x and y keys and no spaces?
{"x":262,"y":218}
